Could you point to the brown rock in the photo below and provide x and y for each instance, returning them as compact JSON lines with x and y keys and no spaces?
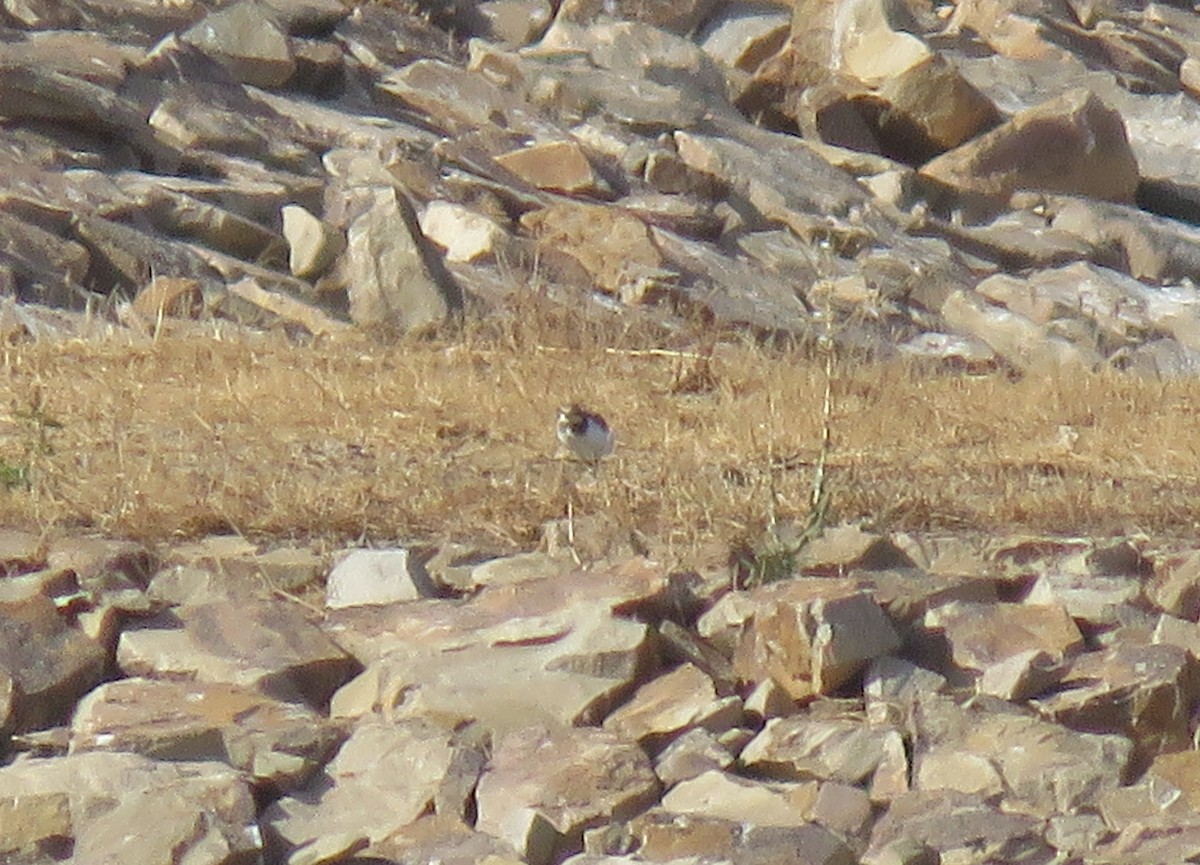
{"x":279,"y":744}
{"x":809,"y":635}
{"x":388,"y":269}
{"x":237,"y":567}
{"x":695,"y":752}
{"x":561,"y":166}
{"x":248,"y":41}
{"x":403,"y":764}
{"x":1090,"y":600}
{"x":470,"y":660}
{"x":33,"y":826}
{"x":800,"y":747}
{"x":126,"y":809}
{"x":312,"y":245}
{"x":287,"y":309}
{"x":931,"y":108}
{"x":662,"y":709}
{"x":1072,"y":144}
{"x":1016,"y":649}
{"x":1147,"y":692}
{"x":1175,"y":586}
{"x":543,"y":788}
{"x":21,"y":552}
{"x":50,"y":663}
{"x":169,"y":296}
{"x":256,"y":644}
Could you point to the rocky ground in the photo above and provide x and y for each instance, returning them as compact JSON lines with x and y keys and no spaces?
{"x":998,"y":188}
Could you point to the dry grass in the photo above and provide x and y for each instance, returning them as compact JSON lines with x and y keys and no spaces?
{"x":454,"y":439}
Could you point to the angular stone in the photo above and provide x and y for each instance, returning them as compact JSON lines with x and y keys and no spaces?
{"x":33,"y":825}
{"x":930,"y":108}
{"x":561,"y":166}
{"x":376,"y":577}
{"x":1090,"y":600}
{"x":279,"y":744}
{"x":127,"y":809}
{"x":743,"y":35}
{"x":1016,"y":649}
{"x":248,"y":41}
{"x":387,"y":268}
{"x":613,"y":249}
{"x":1072,"y":144}
{"x":50,"y":663}
{"x":255,"y":644}
{"x":404,"y":764}
{"x":543,"y":788}
{"x":693,"y":753}
{"x":463,"y":233}
{"x":176,"y":297}
{"x":1175,"y":586}
{"x":1146,"y":692}
{"x":1028,"y":764}
{"x":809,"y":635}
{"x":671,"y":704}
{"x":21,"y":552}
{"x":469,"y":660}
{"x":959,"y":828}
{"x":312,"y":245}
{"x":800,"y":747}
{"x":727,"y":797}
{"x":281,"y":307}
{"x":238,"y":567}
{"x":843,"y":548}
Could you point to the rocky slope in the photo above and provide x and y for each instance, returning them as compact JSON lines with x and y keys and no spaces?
{"x":986,"y":183}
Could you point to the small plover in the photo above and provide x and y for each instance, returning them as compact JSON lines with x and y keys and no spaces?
{"x":585,"y":434}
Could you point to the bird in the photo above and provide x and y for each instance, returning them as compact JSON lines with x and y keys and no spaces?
{"x":585,"y":434}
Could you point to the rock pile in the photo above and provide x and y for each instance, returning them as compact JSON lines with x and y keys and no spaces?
{"x":900,"y":699}
{"x":979,"y":183}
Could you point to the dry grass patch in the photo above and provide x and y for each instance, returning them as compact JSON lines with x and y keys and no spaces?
{"x":454,"y":439}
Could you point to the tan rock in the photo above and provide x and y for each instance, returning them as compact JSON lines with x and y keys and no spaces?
{"x":840,"y":549}
{"x":1177,"y":632}
{"x":125,"y":808}
{"x":932,"y":108}
{"x":1175,"y":586}
{"x":474,"y":660}
{"x":1146,"y":692}
{"x":1091,"y":600}
{"x":255,"y":644}
{"x":543,"y":787}
{"x":403,"y":764}
{"x":389,"y":278}
{"x":743,"y":35}
{"x":954,"y":828}
{"x":312,"y":244}
{"x":21,"y":551}
{"x":33,"y":824}
{"x":237,"y":566}
{"x":742,"y":800}
{"x":613,"y":249}
{"x":376,"y":577}
{"x":1016,"y":649}
{"x":248,"y":41}
{"x":276,"y":743}
{"x":1014,"y":337}
{"x":463,"y":233}
{"x":561,"y":166}
{"x":695,"y":752}
{"x":50,"y":663}
{"x":1072,"y":144}
{"x":799,"y":747}
{"x":662,"y":709}
{"x":809,"y":635}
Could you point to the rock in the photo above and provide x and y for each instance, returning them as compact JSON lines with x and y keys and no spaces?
{"x":1145,"y":692}
{"x":467,"y":661}
{"x":672,"y":704}
{"x":255,"y":644}
{"x":561,"y":166}
{"x":289,"y":310}
{"x":50,"y":663}
{"x":693,"y":753}
{"x":21,"y":552}
{"x":277,"y":744}
{"x":1092,"y":601}
{"x":800,"y":747}
{"x":248,"y":41}
{"x":1175,"y":586}
{"x":169,"y":296}
{"x":312,"y":245}
{"x":404,"y":764}
{"x":809,"y":635}
{"x":387,"y":268}
{"x":957,"y":828}
{"x":1016,"y":649}
{"x":125,"y":808}
{"x":543,"y":788}
{"x":237,"y":567}
{"x":1090,"y":154}
{"x":464,"y":234}
{"x":377,"y":577}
